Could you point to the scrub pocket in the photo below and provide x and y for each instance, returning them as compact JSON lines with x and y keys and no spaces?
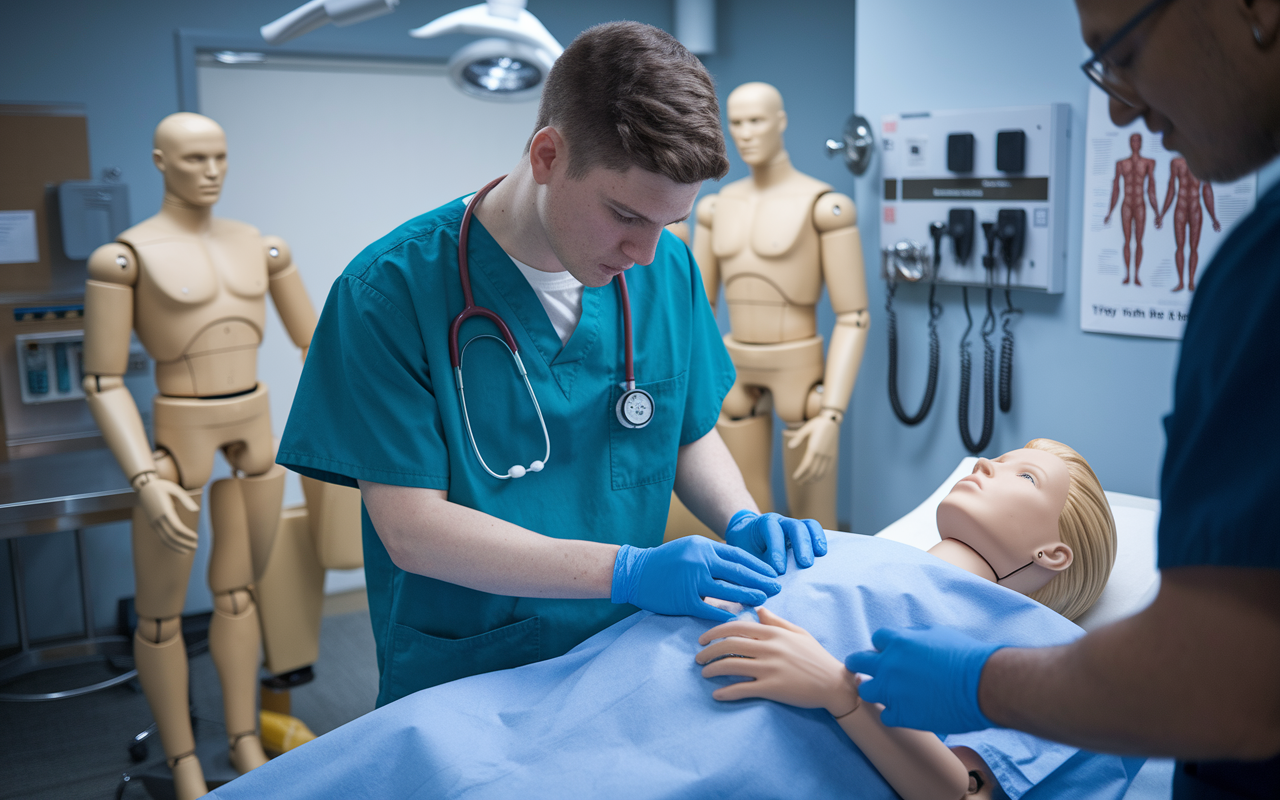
{"x":642,"y":456}
{"x":419,"y":660}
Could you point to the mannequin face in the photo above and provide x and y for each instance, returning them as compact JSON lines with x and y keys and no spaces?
{"x":1007,"y":511}
{"x":756,"y":122}
{"x":605,"y":222}
{"x":191,"y":151}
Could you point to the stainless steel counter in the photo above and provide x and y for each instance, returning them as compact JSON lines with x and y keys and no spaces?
{"x":61,"y":492}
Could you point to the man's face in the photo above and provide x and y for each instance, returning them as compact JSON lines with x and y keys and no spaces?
{"x":1191,"y":66}
{"x":756,"y":125}
{"x":607,"y":222}
{"x":194,"y":166}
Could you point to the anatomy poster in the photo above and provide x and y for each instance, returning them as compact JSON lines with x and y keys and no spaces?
{"x":1150,"y":228}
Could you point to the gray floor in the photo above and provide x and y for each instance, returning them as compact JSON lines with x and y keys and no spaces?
{"x":78,"y":748}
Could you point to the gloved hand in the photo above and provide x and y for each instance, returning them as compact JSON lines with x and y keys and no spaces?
{"x":769,"y":535}
{"x":156,"y":496}
{"x":674,"y":577}
{"x":927,"y":678}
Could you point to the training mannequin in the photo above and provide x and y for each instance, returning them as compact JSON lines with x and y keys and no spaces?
{"x":193,"y":287}
{"x":1013,"y":521}
{"x":773,"y":240}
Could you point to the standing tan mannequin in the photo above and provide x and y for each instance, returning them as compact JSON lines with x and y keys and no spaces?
{"x":773,"y":240}
{"x":193,"y":287}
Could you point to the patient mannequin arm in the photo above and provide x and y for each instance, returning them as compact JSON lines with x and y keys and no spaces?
{"x":288,"y":293}
{"x":426,"y":534}
{"x":790,"y":666}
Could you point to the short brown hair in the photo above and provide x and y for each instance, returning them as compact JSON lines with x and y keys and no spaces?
{"x":627,"y":94}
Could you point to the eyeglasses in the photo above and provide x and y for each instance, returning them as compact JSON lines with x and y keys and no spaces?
{"x":1106,"y":75}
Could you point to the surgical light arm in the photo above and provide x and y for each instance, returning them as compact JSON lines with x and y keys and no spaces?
{"x":318,"y":13}
{"x":500,"y":18}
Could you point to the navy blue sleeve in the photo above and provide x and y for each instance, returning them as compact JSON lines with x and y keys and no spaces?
{"x":1222,"y":463}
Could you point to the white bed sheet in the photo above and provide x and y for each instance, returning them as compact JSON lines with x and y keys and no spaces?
{"x":1132,"y":586}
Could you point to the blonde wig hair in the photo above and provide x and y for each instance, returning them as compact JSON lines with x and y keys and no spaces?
{"x":1087,"y":527}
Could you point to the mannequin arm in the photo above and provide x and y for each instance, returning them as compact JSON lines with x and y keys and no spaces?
{"x":108,"y":319}
{"x":836,"y":219}
{"x":288,"y":293}
{"x":708,"y":265}
{"x":789,"y":666}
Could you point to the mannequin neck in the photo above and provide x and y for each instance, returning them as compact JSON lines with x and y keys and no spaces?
{"x":1024,"y":580}
{"x":773,"y":172}
{"x":510,"y":214}
{"x":187,"y":216}
{"x":957,"y":553}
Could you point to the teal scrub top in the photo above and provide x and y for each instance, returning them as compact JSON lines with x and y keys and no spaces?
{"x":378,"y":402}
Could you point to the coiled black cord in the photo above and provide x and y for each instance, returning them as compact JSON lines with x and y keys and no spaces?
{"x":988,"y":377}
{"x":935,"y":350}
{"x":1006,"y":346}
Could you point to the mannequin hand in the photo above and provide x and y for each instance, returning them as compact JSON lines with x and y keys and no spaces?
{"x":1217,"y":226}
{"x":823,"y":435}
{"x":1106,"y":220}
{"x":674,"y":577}
{"x":787,"y":663}
{"x":927,"y":678}
{"x":156,"y":498}
{"x":1158,"y":222}
{"x":769,"y":535}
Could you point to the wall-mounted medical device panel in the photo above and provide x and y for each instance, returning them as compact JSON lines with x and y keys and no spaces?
{"x":946,"y":173}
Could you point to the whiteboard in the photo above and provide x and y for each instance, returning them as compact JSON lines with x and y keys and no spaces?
{"x":333,"y":154}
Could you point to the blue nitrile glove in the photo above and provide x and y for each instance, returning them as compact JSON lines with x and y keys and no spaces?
{"x":674,"y":577}
{"x":769,"y":536}
{"x":927,"y":678}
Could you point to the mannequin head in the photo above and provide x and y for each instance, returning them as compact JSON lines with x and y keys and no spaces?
{"x":1135,"y":143}
{"x":1039,"y":520}
{"x":191,"y":152}
{"x":756,"y":122}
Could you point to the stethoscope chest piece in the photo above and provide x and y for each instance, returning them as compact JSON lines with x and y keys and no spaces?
{"x":635,"y":408}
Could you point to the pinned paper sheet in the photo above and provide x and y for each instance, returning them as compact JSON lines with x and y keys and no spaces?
{"x":18,"y":237}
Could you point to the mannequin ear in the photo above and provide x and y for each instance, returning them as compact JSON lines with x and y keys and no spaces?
{"x":782,"y":121}
{"x":546,"y":147}
{"x":157,"y":158}
{"x":1056,"y":556}
{"x":1263,"y":18}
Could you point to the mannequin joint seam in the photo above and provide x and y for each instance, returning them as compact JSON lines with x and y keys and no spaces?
{"x":173,"y":762}
{"x":233,"y":739}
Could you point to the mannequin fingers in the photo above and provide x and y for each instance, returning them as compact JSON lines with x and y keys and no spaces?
{"x":734,"y":665}
{"x":742,"y":690}
{"x":743,"y":628}
{"x":804,"y":472}
{"x":185,"y":499}
{"x":733,"y":646}
{"x":767,"y":617}
{"x":176,"y":536}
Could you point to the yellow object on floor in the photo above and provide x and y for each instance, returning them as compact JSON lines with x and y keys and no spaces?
{"x":281,"y":732}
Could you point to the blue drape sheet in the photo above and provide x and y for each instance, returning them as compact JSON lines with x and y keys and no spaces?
{"x":627,"y":714}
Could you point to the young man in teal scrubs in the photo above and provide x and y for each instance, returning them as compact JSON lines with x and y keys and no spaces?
{"x":468,"y":572}
{"x":1196,"y":675}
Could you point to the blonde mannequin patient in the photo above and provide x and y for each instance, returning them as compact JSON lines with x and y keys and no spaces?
{"x":1033,"y":520}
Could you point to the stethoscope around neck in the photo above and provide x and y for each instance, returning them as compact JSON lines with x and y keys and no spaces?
{"x":634,"y":408}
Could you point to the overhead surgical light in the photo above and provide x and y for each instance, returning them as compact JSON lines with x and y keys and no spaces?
{"x":318,"y":13}
{"x":509,"y":65}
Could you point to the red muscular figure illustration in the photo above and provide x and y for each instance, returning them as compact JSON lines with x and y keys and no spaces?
{"x":1138,"y":173}
{"x":1187,"y":215}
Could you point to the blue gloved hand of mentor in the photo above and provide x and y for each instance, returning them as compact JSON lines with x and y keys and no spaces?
{"x":769,"y":536}
{"x":927,"y":678}
{"x":674,"y":577}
